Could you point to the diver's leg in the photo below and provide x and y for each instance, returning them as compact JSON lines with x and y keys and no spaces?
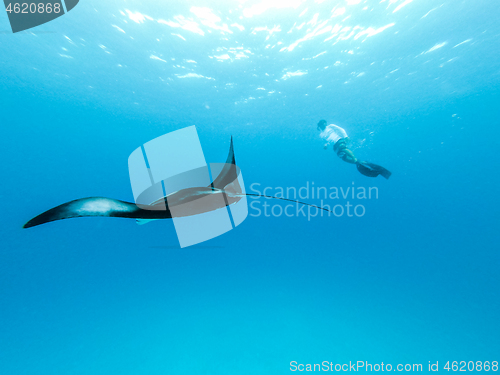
{"x":349,"y":156}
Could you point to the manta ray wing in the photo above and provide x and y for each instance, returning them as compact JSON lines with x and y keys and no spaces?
{"x":229,"y":172}
{"x":92,"y":207}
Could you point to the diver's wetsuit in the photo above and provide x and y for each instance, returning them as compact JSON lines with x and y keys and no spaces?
{"x":332,"y":134}
{"x":338,"y":136}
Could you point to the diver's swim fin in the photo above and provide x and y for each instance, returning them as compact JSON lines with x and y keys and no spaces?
{"x":372,"y":170}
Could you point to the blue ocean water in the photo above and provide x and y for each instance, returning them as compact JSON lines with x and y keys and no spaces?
{"x":415,"y":279}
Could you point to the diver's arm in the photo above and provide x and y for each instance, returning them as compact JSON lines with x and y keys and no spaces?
{"x":327,"y":141}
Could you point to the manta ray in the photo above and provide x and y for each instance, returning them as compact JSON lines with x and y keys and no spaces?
{"x":184,"y":202}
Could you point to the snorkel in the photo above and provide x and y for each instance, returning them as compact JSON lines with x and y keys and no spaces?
{"x":321,"y":125}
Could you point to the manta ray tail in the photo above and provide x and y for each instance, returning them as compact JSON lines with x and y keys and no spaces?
{"x":288,"y":200}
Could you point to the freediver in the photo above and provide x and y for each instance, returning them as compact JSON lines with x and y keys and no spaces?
{"x":338,"y":136}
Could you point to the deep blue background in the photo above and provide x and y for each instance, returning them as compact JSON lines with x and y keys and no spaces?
{"x":414,"y":280}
